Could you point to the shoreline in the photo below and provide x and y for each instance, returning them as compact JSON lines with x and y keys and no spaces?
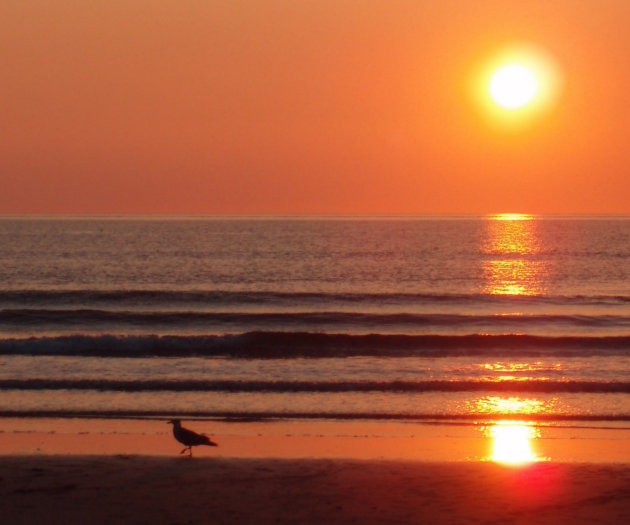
{"x":344,"y":440}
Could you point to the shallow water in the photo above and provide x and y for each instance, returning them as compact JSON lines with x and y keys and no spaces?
{"x":418,"y":318}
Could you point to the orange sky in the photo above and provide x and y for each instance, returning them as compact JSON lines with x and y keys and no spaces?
{"x":309,"y":106}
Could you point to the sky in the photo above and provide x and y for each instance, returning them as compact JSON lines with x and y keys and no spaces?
{"x":282,"y":107}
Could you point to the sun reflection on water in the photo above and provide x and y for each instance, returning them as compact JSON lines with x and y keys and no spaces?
{"x":520,"y":371}
{"x":513,"y":266}
{"x":502,"y":366}
{"x":510,"y":405}
{"x":512,"y":243}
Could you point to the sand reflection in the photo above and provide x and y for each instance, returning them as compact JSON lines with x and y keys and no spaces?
{"x":512,"y":442}
{"x":512,"y":244}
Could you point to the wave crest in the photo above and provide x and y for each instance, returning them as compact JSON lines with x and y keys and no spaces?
{"x":309,"y":344}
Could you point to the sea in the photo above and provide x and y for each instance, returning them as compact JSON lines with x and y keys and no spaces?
{"x":429,"y":319}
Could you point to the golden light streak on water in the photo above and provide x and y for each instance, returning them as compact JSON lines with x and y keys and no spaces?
{"x":512,"y":217}
{"x":509,"y":405}
{"x":512,"y":244}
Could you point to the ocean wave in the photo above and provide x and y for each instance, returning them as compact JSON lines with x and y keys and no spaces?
{"x":232,"y":386}
{"x":473,"y":418}
{"x":312,"y":344}
{"x":64,"y":317}
{"x":227,"y":297}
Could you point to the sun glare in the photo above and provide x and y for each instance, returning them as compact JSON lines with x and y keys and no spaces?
{"x":512,"y":86}
{"x":516,"y":83}
{"x":512,"y":443}
{"x":511,"y":217}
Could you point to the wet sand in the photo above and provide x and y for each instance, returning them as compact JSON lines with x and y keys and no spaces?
{"x":117,"y":471}
{"x":362,"y":440}
{"x":143,"y":489}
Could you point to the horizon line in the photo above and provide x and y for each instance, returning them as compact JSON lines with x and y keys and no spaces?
{"x":301,"y":216}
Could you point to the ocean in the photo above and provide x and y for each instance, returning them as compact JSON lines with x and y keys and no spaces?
{"x":460,"y":320}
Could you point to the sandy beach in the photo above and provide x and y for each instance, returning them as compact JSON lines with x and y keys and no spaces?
{"x":142,"y":489}
{"x":303,"y":472}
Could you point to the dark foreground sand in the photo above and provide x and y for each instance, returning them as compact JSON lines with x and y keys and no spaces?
{"x":143,"y":489}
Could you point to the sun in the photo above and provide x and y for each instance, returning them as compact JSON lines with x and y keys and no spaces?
{"x":513,"y":86}
{"x":516,"y":84}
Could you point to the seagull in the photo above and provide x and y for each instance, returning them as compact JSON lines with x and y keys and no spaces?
{"x":188,"y":437}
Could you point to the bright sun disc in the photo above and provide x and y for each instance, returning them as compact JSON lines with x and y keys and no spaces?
{"x":516,"y":84}
{"x":512,"y":86}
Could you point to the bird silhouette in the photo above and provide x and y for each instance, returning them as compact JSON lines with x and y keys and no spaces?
{"x":188,"y":437}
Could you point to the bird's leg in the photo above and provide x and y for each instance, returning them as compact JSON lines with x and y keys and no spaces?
{"x":184,"y":450}
{"x":190,"y":450}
